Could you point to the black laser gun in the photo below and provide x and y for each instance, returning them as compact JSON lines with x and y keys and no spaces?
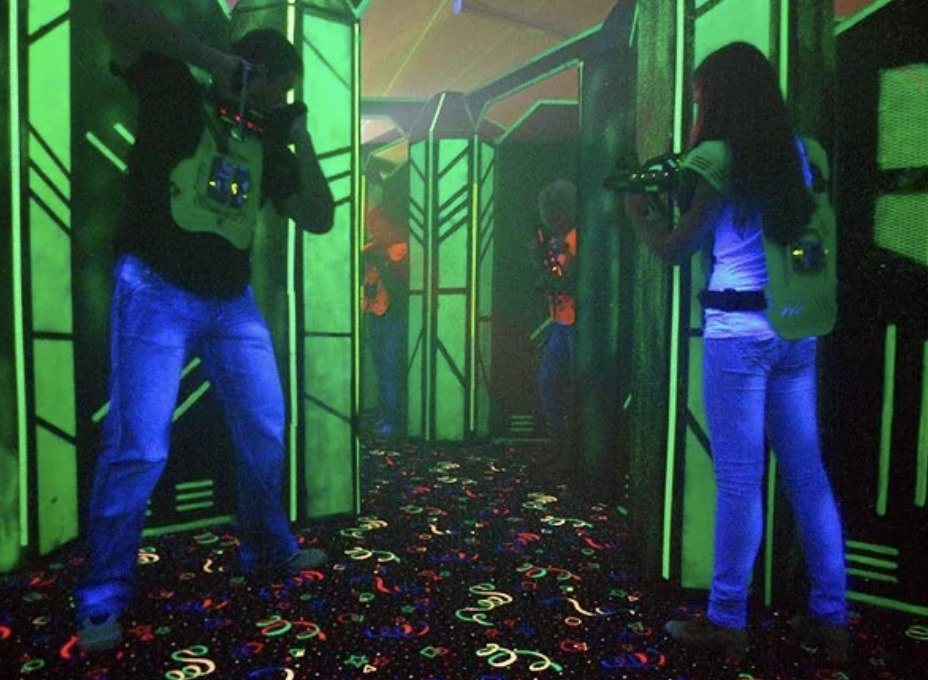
{"x":655,"y":176}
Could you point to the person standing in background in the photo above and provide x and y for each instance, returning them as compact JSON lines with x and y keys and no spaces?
{"x":554,"y":255}
{"x":385,"y":306}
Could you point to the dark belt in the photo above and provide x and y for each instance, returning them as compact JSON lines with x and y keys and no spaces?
{"x":734,"y":300}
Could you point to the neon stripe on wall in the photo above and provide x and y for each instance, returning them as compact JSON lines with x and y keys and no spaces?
{"x":784,"y":47}
{"x":474,"y":281}
{"x":17,"y":244}
{"x":886,"y":428}
{"x":428,"y":338}
{"x":768,"y":529}
{"x":921,"y":470}
{"x":356,"y":250}
{"x":675,"y":316}
{"x":293,"y":387}
{"x":887,"y":603}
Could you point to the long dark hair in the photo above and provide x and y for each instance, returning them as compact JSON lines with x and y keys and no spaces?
{"x":742,"y":105}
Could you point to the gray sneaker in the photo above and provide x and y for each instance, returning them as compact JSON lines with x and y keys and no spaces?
{"x":308,"y":558}
{"x":99,"y":633}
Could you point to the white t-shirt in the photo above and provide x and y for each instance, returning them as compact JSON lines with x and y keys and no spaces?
{"x":739,"y":262}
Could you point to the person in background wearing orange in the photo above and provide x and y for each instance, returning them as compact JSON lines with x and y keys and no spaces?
{"x":384,"y":303}
{"x":554,"y":252}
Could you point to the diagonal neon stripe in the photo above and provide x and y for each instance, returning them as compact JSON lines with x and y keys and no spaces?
{"x":103,"y":410}
{"x":190,"y":401}
{"x":124,"y":133}
{"x":105,"y":150}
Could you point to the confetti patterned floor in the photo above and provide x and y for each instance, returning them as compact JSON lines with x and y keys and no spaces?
{"x":462,"y":568}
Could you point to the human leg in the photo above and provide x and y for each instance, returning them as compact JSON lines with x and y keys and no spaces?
{"x":149,"y":328}
{"x":734,"y":378}
{"x":386,"y":336}
{"x":792,"y":426}
{"x":734,"y":395}
{"x":554,"y":384}
{"x":239,"y":359}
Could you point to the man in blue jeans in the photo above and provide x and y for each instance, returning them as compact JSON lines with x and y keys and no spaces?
{"x":211,"y":149}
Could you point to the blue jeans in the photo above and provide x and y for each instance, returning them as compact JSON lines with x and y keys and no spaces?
{"x":556,"y":385}
{"x":386,"y":335}
{"x":155,"y":327}
{"x":752,"y":387}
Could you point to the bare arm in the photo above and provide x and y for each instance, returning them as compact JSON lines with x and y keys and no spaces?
{"x":133,"y":28}
{"x":675,"y":245}
{"x":312,"y":207}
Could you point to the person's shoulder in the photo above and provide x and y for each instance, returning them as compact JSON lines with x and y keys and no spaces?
{"x":715,"y":151}
{"x":711,"y":160}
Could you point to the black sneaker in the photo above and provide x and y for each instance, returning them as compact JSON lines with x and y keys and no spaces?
{"x":833,"y":639}
{"x":703,"y":634}
{"x":99,"y":633}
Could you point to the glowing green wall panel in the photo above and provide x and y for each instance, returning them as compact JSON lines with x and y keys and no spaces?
{"x":56,"y":471}
{"x":450,"y":393}
{"x":48,"y":194}
{"x":419,"y":215}
{"x":698,"y":531}
{"x":49,"y":96}
{"x":455,"y":260}
{"x":329,"y":331}
{"x":903,"y":120}
{"x":54,"y":402}
{"x":43,"y":12}
{"x":48,"y":166}
{"x":447,"y":390}
{"x":327,"y":269}
{"x":328,"y":436}
{"x":744,"y":20}
{"x":48,"y":275}
{"x":901,"y":225}
{"x":50,"y":258}
{"x":415,"y":423}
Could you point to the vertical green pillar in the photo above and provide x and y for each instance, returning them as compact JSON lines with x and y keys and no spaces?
{"x":604,"y":284}
{"x":451,"y":245}
{"x":38,"y":447}
{"x":320,"y":292}
{"x":483,"y":217}
{"x":11,"y":378}
{"x":654,"y":386}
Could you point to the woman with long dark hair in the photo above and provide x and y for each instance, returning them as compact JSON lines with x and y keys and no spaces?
{"x":748,"y":176}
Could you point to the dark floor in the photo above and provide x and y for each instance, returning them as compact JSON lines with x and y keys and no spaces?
{"x":462,"y":568}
